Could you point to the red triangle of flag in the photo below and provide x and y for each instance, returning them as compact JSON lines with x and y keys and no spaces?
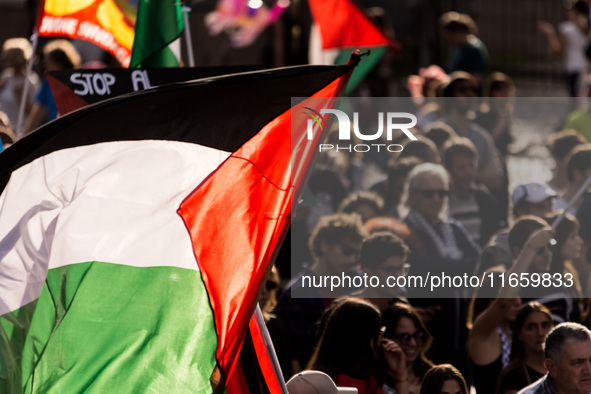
{"x":344,"y":25}
{"x":238,"y":217}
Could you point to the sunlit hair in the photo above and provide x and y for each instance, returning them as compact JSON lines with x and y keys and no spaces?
{"x":6,"y":133}
{"x":16,"y":52}
{"x":422,"y":148}
{"x":498,"y":80}
{"x":422,"y":171}
{"x":349,"y":329}
{"x":459,"y":146}
{"x":563,"y":142}
{"x":62,"y":52}
{"x":456,"y":22}
{"x":399,"y":228}
{"x":439,"y":132}
{"x":579,"y":158}
{"x":380,"y":246}
{"x":354,"y":200}
{"x":523,"y":228}
{"x":455,"y":78}
{"x":436,"y":377}
{"x":336,"y":228}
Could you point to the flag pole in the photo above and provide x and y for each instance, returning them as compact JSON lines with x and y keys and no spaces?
{"x":353,"y":61}
{"x":572,"y":202}
{"x":186,"y":9}
{"x":35,"y":43}
{"x":270,"y":349}
{"x":21,"y":109}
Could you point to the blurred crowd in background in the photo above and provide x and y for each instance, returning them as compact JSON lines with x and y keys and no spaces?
{"x":451,"y":201}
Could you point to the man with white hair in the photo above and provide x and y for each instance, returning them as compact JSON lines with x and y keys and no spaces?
{"x":568,"y":361}
{"x":446,"y":248}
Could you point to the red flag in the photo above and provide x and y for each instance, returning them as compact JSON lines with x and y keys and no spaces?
{"x":344,"y":25}
{"x":235,"y":234}
{"x":106,"y":23}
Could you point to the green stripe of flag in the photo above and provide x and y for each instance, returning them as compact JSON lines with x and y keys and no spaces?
{"x":366,"y":65}
{"x":158,"y":23}
{"x":100,"y":328}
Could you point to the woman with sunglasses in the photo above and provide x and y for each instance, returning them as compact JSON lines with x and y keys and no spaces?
{"x":405,"y":327}
{"x":532,"y":325}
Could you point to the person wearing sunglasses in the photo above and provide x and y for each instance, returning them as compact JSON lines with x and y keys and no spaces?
{"x":446,"y":248}
{"x":446,"y":245}
{"x":335,"y":245}
{"x":405,"y":327}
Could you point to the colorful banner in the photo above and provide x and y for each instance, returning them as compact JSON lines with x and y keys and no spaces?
{"x":106,"y":23}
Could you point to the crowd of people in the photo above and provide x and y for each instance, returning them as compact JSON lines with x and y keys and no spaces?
{"x":38,"y":106}
{"x":441,"y":205}
{"x":444,"y":205}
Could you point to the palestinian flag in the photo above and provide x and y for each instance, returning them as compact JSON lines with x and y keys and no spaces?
{"x":135,"y":234}
{"x":340,"y":26}
{"x":158,"y":24}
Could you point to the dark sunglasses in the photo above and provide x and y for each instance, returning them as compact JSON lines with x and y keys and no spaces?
{"x":271,"y":285}
{"x":405,"y":337}
{"x":431,"y":193}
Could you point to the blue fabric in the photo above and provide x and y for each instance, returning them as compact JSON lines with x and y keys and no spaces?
{"x":45,"y":98}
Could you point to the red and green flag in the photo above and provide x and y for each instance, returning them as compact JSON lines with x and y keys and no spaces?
{"x":158,"y":24}
{"x":135,"y":235}
{"x":344,"y":26}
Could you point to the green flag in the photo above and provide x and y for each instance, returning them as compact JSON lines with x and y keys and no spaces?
{"x":159,"y":22}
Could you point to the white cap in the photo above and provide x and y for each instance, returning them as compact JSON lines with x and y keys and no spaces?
{"x":315,"y":382}
{"x":532,"y":192}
